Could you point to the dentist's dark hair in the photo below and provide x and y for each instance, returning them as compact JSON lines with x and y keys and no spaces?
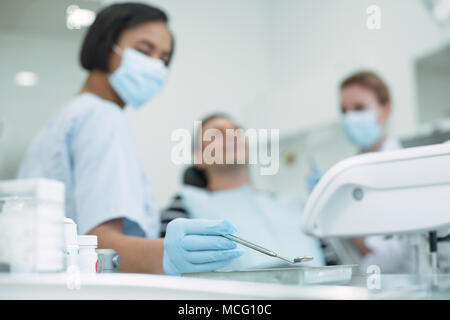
{"x":110,"y":22}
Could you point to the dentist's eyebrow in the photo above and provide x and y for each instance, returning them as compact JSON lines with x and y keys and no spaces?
{"x":152,"y":46}
{"x":147,"y":43}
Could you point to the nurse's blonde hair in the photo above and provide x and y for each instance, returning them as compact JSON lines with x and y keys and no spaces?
{"x":371,"y":81}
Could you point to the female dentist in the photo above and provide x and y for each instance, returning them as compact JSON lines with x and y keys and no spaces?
{"x":88,"y":145}
{"x":366,"y":108}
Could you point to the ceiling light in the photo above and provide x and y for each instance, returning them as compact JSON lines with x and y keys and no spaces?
{"x":77,"y":18}
{"x":26,"y":79}
{"x":440,"y":10}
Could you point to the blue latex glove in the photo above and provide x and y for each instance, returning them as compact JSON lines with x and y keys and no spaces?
{"x":313,"y":178}
{"x":195,"y":245}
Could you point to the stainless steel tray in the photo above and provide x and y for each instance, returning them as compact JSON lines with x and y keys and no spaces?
{"x":341,"y":274}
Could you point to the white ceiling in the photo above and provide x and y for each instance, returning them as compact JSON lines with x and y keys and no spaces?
{"x":40,"y":16}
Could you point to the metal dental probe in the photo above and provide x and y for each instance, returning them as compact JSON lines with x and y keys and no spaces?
{"x":264,"y":250}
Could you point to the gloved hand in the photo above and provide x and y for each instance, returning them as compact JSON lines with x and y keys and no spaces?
{"x":195,"y":245}
{"x":314,"y":178}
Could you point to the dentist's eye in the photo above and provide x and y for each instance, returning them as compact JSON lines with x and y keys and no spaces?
{"x":144,"y":52}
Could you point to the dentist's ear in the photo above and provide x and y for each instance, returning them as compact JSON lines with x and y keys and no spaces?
{"x":114,"y":59}
{"x":117,"y":50}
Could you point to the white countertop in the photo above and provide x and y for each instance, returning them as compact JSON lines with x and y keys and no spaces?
{"x":139,"y":286}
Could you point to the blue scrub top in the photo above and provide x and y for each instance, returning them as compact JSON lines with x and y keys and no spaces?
{"x":88,"y":144}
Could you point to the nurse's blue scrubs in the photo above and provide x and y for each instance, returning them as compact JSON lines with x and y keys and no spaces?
{"x":88,"y":145}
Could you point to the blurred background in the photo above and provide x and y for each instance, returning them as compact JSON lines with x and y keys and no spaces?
{"x":270,"y":64}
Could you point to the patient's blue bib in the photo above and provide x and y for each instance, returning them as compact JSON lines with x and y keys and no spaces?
{"x":267,"y":220}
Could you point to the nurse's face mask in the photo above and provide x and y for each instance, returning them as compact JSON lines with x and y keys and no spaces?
{"x":139,"y":78}
{"x":362,"y":128}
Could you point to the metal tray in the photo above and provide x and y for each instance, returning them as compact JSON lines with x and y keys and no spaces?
{"x":341,"y":274}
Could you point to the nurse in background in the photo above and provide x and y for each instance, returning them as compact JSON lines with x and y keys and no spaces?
{"x":88,"y":144}
{"x":366,"y":108}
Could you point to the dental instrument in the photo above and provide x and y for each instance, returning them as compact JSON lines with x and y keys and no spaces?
{"x":266,"y":251}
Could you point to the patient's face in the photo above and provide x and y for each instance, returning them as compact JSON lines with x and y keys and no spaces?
{"x":233,"y":145}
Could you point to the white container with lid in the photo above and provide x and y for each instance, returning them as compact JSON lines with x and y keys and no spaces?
{"x":87,"y":259}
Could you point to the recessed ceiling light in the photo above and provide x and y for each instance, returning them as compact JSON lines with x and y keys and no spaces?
{"x":76,"y":18}
{"x":26,"y":79}
{"x":440,"y":10}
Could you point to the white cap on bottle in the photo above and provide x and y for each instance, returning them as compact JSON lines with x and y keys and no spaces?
{"x":87,"y":240}
{"x":70,"y":232}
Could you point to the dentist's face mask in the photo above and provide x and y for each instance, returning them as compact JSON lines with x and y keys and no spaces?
{"x":362,"y":128}
{"x":139,"y":78}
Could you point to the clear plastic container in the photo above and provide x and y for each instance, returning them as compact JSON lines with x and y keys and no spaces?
{"x":31,"y":225}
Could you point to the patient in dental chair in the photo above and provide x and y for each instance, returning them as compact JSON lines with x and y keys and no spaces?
{"x":224,"y":191}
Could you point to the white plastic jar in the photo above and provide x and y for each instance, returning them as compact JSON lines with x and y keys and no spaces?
{"x":87,"y":259}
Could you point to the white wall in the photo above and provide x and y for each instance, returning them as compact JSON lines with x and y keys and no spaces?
{"x":316,"y":43}
{"x":34,"y":37}
{"x":25,"y":109}
{"x":433,"y":83}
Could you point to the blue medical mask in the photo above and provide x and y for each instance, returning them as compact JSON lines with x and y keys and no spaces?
{"x":139,"y":78}
{"x":362,"y":128}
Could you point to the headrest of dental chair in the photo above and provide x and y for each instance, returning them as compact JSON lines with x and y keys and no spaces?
{"x":195,"y":177}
